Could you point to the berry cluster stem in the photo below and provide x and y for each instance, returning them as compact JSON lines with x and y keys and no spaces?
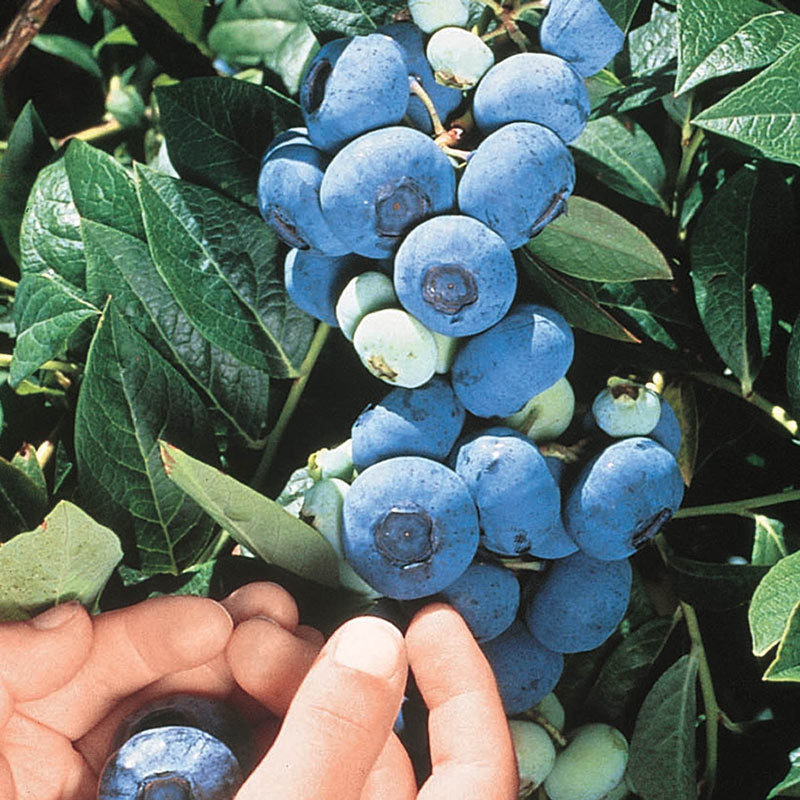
{"x":740,"y":507}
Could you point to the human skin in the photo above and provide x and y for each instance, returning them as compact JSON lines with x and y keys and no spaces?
{"x":63,"y":695}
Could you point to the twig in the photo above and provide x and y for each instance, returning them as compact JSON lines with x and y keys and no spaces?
{"x":740,"y":507}
{"x":21,"y":31}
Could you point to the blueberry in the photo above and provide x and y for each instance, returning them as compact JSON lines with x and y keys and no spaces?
{"x":409,"y":422}
{"x":535,"y":751}
{"x":497,"y":371}
{"x":430,"y":15}
{"x":383,"y":183}
{"x":532,"y":87}
{"x":288,"y":197}
{"x":445,"y":99}
{"x":487,"y":597}
{"x":410,"y":526}
{"x":458,"y":57}
{"x":519,"y":503}
{"x":173,"y":762}
{"x":517,"y":181}
{"x":668,"y":430}
{"x":547,"y":414}
{"x":622,"y":497}
{"x":582,"y":32}
{"x":626,"y":408}
{"x":580,"y":603}
{"x":363,"y":294}
{"x":353,"y":85}
{"x":524,"y":669}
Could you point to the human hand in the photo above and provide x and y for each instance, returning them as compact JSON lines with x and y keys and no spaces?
{"x":336,"y":741}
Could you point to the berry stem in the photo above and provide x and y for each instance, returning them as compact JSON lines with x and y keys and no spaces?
{"x":739,"y":507}
{"x":416,"y":89}
{"x":691,"y":139}
{"x":496,"y":7}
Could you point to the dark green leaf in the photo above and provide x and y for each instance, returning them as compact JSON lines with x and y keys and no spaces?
{"x":662,"y":752}
{"x":129,"y":397}
{"x":184,"y":16}
{"x":763,"y":113}
{"x":621,"y":11}
{"x":718,"y":37}
{"x":218,"y":259}
{"x":71,"y":50}
{"x":253,"y":520}
{"x":23,"y":501}
{"x":790,"y":785}
{"x":28,"y":150}
{"x":217,"y":130}
{"x":773,"y":603}
{"x":350,"y":17}
{"x":793,"y":369}
{"x":593,"y":243}
{"x":717,"y":587}
{"x":786,"y":666}
{"x":620,"y":154}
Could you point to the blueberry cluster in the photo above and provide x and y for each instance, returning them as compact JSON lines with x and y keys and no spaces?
{"x":403,"y":238}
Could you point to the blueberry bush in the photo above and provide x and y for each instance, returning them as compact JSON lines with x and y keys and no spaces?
{"x":581,"y":421}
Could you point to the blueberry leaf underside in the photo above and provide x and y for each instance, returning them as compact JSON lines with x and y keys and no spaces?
{"x":23,"y":501}
{"x":349,"y":17}
{"x":786,"y":665}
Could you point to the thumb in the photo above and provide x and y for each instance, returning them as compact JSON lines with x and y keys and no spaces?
{"x":339,"y":720}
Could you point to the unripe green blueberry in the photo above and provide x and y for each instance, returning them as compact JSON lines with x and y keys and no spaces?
{"x":546,"y":415}
{"x":334,"y":462}
{"x":363,"y":294}
{"x":551,"y":709}
{"x":446,"y":347}
{"x":626,"y":408}
{"x":535,"y":751}
{"x":396,"y":347}
{"x":458,"y":57}
{"x":590,"y":766}
{"x":430,"y":15}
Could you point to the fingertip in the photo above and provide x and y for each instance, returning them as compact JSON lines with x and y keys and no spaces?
{"x":263,"y":598}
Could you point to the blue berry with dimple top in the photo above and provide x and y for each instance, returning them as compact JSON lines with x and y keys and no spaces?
{"x":580,"y":603}
{"x":382,"y":184}
{"x":532,"y":87}
{"x":497,"y":371}
{"x":425,"y":421}
{"x":622,"y":497}
{"x":525,"y":670}
{"x":410,"y":527}
{"x":487,"y":597}
{"x":519,"y":502}
{"x":455,"y":275}
{"x":353,"y":85}
{"x":517,"y":181}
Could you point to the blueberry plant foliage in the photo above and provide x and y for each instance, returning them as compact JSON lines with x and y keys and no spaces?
{"x":158,"y":389}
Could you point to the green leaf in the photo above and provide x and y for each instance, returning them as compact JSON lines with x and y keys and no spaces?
{"x":593,"y":243}
{"x":120,"y":35}
{"x":268,"y":32}
{"x":619,"y":153}
{"x":712,"y":586}
{"x":661,"y":765}
{"x":23,"y":500}
{"x":218,"y":259}
{"x":773,"y":603}
{"x":25,"y":459}
{"x":737,"y":231}
{"x":50,"y":311}
{"x":764,"y":112}
{"x":68,"y":557}
{"x":786,"y":666}
{"x":217,"y":130}
{"x":254,"y":521}
{"x":790,"y":785}
{"x":718,"y":37}
{"x":769,"y":546}
{"x":27,"y":152}
{"x":350,"y":17}
{"x":71,"y":50}
{"x":129,"y":397}
{"x":184,"y":16}
{"x":622,"y":11}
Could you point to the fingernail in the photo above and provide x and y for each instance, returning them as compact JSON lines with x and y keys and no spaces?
{"x":56,"y":616}
{"x":369,"y":645}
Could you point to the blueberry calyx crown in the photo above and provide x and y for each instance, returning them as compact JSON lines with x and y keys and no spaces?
{"x":650,"y":528}
{"x":556,"y":207}
{"x":405,"y":535}
{"x":167,"y":786}
{"x":314,"y":87}
{"x":285,"y":229}
{"x":399,"y":204}
{"x":449,"y":288}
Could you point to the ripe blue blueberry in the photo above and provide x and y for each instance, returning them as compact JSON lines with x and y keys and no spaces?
{"x":580,"y":603}
{"x":410,"y":526}
{"x":409,"y":422}
{"x":668,"y":430}
{"x":517,"y":181}
{"x":455,"y":275}
{"x":498,"y":370}
{"x":383,"y":183}
{"x":519,"y":503}
{"x":532,"y":87}
{"x":622,"y":497}
{"x":288,"y":197}
{"x":487,"y":597}
{"x":525,"y":670}
{"x":353,"y":85}
{"x":582,"y":32}
{"x":173,"y":762}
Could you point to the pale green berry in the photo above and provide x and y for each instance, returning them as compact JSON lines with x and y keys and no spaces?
{"x":363,"y":294}
{"x":626,"y":408}
{"x":396,"y":347}
{"x":332,"y":463}
{"x":546,"y":415}
{"x":590,"y":766}
{"x":458,"y":57}
{"x":430,"y":15}
{"x":535,"y":751}
{"x":551,"y":709}
{"x":446,"y":347}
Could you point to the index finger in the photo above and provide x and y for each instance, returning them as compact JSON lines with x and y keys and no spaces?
{"x":472,"y":754}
